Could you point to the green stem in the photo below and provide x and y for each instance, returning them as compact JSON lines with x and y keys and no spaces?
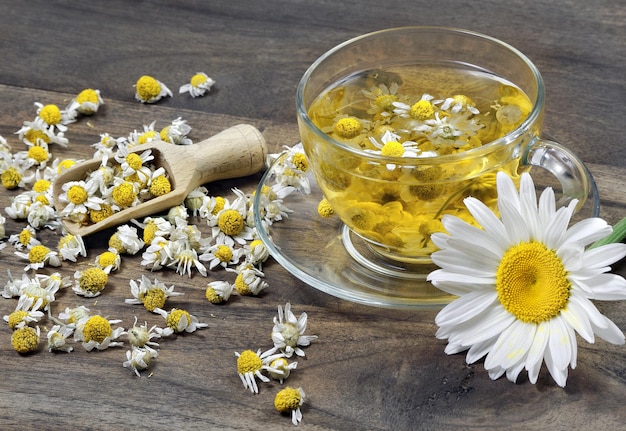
{"x":618,"y":235}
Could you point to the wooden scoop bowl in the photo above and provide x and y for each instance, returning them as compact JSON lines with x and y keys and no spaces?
{"x":235,"y":152}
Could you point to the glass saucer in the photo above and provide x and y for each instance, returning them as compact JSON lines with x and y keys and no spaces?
{"x":325,"y":254}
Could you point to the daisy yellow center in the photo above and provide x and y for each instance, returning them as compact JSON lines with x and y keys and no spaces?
{"x":148,"y":87}
{"x":25,"y":340}
{"x":146,"y":137}
{"x":392,"y":149}
{"x":153,"y":298}
{"x":98,"y":215}
{"x":219,"y":205}
{"x":422,"y":110}
{"x":223,"y":253}
{"x":66,"y":240}
{"x":230,"y":222}
{"x":287,"y":400}
{"x":41,"y":186}
{"x":77,"y":195}
{"x":532,"y":282}
{"x":241,"y":286}
{"x":11,"y":178}
{"x":213,"y":296}
{"x":51,"y":114}
{"x":38,"y":253}
{"x":39,"y":154}
{"x":164,"y":134}
{"x":174,"y":318}
{"x":248,"y":362}
{"x":33,"y":136}
{"x":385,"y":101}
{"x":88,"y":95}
{"x":124,"y":194}
{"x":25,"y":236}
{"x":108,"y":258}
{"x":348,"y":127}
{"x":116,"y":243}
{"x":198,"y":79}
{"x":97,"y":328}
{"x":300,"y":162}
{"x":134,"y":161}
{"x":160,"y":186}
{"x":42,"y":198}
{"x":16,"y":317}
{"x":93,"y":280}
{"x":149,"y":232}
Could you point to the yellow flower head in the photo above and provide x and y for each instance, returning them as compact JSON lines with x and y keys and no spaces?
{"x":25,"y":339}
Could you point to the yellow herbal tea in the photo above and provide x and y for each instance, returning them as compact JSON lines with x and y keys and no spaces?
{"x":409,"y":131}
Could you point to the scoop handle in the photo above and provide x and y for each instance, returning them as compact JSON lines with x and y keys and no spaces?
{"x":235,"y":152}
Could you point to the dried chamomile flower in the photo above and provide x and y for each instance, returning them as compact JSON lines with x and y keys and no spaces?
{"x":271,"y":205}
{"x":196,"y":200}
{"x":95,"y":332}
{"x":282,"y":369}
{"x":131,"y":162}
{"x":138,"y":358}
{"x":288,"y":332}
{"x":57,"y":336}
{"x":36,"y":157}
{"x":26,"y":312}
{"x":229,"y":225}
{"x":141,"y":336}
{"x":249,"y":280}
{"x":150,"y":90}
{"x":15,"y":176}
{"x":325,"y":209}
{"x":26,"y":239}
{"x":199,"y":84}
{"x":250,"y":366}
{"x":71,"y":246}
{"x":152,"y":294}
{"x":176,"y":133}
{"x":54,"y":117}
{"x":90,"y":282}
{"x":73,"y":317}
{"x":292,"y":167}
{"x":180,"y":320}
{"x":218,"y":292}
{"x":184,"y":258}
{"x":2,"y":229}
{"x":126,"y":240}
{"x":221,"y":255}
{"x":37,"y":131}
{"x":41,"y":291}
{"x":25,"y":339}
{"x":39,"y":256}
{"x":80,"y":196}
{"x":87,"y":102}
{"x":109,"y":260}
{"x":256,"y":252}
{"x":290,"y":400}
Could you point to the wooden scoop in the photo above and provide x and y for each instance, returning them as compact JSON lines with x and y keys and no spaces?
{"x":232,"y":153}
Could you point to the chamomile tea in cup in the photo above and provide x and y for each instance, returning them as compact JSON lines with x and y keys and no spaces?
{"x":401,"y":125}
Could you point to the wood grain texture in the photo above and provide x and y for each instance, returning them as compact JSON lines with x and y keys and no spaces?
{"x":371,"y":369}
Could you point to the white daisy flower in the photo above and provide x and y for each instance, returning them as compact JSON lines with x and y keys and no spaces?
{"x":250,"y":366}
{"x":288,"y":332}
{"x":142,"y":336}
{"x":80,"y":196}
{"x":26,"y":312}
{"x":55,"y":117}
{"x":87,"y":102}
{"x":26,"y":239}
{"x":126,"y":240}
{"x":525,"y":283}
{"x":90,"y":282}
{"x":37,"y":131}
{"x":284,"y":368}
{"x":229,"y":225}
{"x":249,"y":280}
{"x":109,"y":260}
{"x":199,"y":84}
{"x":41,"y":215}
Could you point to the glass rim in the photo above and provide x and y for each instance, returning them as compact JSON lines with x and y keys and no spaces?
{"x":505,"y":140}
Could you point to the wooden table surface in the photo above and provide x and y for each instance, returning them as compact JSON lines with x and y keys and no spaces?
{"x":371,"y":368}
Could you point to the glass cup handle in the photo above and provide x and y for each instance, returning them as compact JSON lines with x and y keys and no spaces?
{"x":575,"y":179}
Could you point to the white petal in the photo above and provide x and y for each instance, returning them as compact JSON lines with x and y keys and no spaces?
{"x":556,"y":228}
{"x":575,"y":316}
{"x":607,"y":287}
{"x":605,"y":255}
{"x":465,"y":308}
{"x":489,"y":222}
{"x":458,"y":262}
{"x":587,"y":231}
{"x":512,"y":345}
{"x":559,"y":345}
{"x":537,"y":351}
{"x":610,"y":332}
{"x":514,"y":223}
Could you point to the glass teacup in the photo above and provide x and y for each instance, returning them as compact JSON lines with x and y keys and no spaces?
{"x":401,"y":125}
